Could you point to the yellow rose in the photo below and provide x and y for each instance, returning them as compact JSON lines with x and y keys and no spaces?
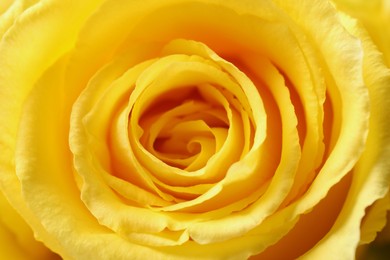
{"x":193,"y":129}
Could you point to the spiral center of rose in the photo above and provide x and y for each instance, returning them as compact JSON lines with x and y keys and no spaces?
{"x":184,"y":129}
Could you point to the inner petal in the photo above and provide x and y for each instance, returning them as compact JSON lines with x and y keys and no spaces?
{"x":176,"y":77}
{"x":169,"y":133}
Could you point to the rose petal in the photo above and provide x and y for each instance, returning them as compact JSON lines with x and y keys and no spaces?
{"x":374,"y":220}
{"x":16,"y":237}
{"x":371,"y":174}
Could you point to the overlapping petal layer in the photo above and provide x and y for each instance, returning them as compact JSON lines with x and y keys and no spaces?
{"x":192,"y":129}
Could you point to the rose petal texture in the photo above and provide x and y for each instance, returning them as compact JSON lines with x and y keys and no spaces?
{"x":16,"y":237}
{"x":375,"y":17}
{"x":193,"y":129}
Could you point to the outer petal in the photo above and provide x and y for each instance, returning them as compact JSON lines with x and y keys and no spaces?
{"x":4,"y":5}
{"x":16,"y":238}
{"x":374,"y":220}
{"x":371,"y":176}
{"x":18,"y":75}
{"x":375,"y":16}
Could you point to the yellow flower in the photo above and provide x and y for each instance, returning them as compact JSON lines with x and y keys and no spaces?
{"x":193,"y":129}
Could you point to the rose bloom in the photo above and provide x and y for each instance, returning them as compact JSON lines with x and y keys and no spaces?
{"x":193,"y":129}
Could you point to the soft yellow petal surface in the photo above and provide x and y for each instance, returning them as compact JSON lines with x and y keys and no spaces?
{"x":375,"y":16}
{"x":17,"y":79}
{"x":16,"y":237}
{"x":371,"y":176}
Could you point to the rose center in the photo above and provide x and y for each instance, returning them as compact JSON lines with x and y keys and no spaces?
{"x":184,"y":129}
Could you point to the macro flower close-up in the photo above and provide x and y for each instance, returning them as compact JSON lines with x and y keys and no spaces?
{"x":194,"y":129}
